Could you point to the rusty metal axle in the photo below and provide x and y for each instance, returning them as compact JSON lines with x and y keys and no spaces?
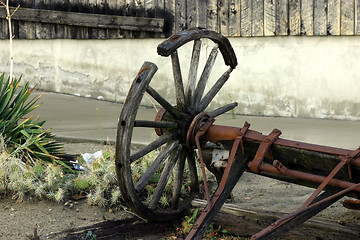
{"x":265,"y":162}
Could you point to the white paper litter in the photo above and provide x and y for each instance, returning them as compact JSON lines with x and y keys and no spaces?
{"x":89,"y":158}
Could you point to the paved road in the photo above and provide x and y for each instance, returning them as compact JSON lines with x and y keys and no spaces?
{"x":72,"y":117}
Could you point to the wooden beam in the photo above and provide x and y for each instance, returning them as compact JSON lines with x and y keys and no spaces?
{"x":334,"y":17}
{"x":307,"y":17}
{"x":245,"y":18}
{"x":269,"y":18}
{"x":86,"y":19}
{"x":347,"y":17}
{"x":294,"y":17}
{"x":257,"y":18}
{"x":320,"y":13}
{"x":234,"y":18}
{"x":281,"y":17}
{"x":243,"y":222}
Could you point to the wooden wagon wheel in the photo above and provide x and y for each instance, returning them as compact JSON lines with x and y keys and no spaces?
{"x":143,"y":194}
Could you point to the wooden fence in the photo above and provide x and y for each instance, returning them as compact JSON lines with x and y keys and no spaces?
{"x":92,"y":19}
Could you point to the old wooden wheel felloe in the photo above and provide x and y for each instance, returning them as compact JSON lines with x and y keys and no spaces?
{"x":161,"y":187}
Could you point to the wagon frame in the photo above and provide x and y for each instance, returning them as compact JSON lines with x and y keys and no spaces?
{"x":186,"y":129}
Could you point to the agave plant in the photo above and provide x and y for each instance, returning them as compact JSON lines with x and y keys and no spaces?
{"x":22,"y":132}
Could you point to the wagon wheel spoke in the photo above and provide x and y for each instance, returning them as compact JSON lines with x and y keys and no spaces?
{"x":179,"y":87}
{"x":214,"y":90}
{"x":178,"y":179}
{"x":152,"y":146}
{"x":193,"y":171}
{"x":164,"y":154}
{"x":154,"y":124}
{"x":199,"y":91}
{"x":221,"y":110}
{"x":165,"y":104}
{"x":194,"y":64}
{"x":165,"y":175}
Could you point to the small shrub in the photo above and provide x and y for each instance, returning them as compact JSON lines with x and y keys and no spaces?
{"x":24,"y":134}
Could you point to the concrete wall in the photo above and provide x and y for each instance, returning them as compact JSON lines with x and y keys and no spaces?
{"x":314,"y":77}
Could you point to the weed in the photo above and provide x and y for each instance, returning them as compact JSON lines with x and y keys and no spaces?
{"x":89,"y":236}
{"x":231,"y":98}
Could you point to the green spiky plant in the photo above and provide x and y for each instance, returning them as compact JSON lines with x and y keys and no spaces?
{"x":20,"y":131}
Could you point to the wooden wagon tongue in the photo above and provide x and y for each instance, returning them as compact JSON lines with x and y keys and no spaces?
{"x":237,"y":165}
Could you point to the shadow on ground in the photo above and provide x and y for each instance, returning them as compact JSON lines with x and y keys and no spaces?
{"x":130,"y":228}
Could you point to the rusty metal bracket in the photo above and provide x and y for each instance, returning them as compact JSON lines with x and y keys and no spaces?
{"x":210,"y":210}
{"x":352,"y":204}
{"x":255,"y":164}
{"x":344,"y":160}
{"x":200,"y":133}
{"x":301,"y":215}
{"x":238,"y":140}
{"x":314,"y":204}
{"x":241,"y":135}
{"x":348,"y":158}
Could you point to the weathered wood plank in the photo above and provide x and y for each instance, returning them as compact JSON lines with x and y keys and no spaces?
{"x":245,"y":222}
{"x":27,"y":29}
{"x":269,"y":18}
{"x":320,"y":13}
{"x":202,"y":13}
{"x":3,"y":28}
{"x":192,"y":8}
{"x":224,"y":17}
{"x":281,"y":17}
{"x":169,"y":7}
{"x":246,"y":18}
{"x":113,"y":7}
{"x":234,"y":18}
{"x":212,"y":16}
{"x":61,"y":30}
{"x":139,"y":12}
{"x":88,"y":20}
{"x":294,"y":17}
{"x":257,"y":18}
{"x":129,"y":11}
{"x":347,"y":17}
{"x":180,"y":16}
{"x":307,"y":17}
{"x":100,"y":8}
{"x":357,"y":19}
{"x":49,"y":29}
{"x":333,"y":26}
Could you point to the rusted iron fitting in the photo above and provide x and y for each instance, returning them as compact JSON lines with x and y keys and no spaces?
{"x":352,"y":204}
{"x":264,"y":147}
{"x":348,"y":158}
{"x":280,"y":167}
{"x":158,"y":118}
{"x":200,"y":124}
{"x":241,"y":135}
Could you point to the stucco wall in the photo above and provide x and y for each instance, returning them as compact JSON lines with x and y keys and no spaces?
{"x":315,"y":77}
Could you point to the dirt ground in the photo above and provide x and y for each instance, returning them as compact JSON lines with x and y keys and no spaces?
{"x":57,"y":221}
